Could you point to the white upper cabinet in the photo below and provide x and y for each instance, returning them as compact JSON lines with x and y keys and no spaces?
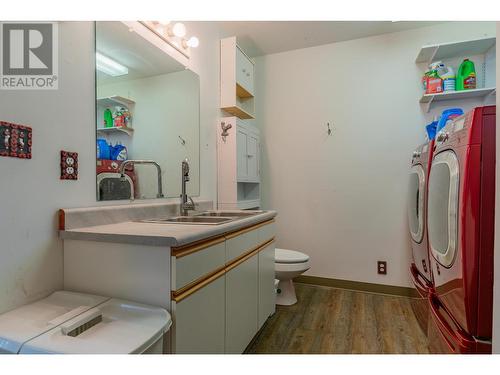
{"x":236,"y":80}
{"x":244,"y":72}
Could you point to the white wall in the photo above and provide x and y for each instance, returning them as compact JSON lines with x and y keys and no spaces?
{"x":342,"y":199}
{"x":496,"y":273}
{"x":30,"y":190}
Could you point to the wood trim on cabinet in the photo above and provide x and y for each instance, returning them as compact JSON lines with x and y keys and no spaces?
{"x":247,"y":255}
{"x":62,"y":219}
{"x":187,"y":290}
{"x":209,"y":279}
{"x":181,"y":252}
{"x":247,"y":229}
{"x":184,"y":250}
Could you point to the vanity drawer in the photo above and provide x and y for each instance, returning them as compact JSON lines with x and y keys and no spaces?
{"x":267,"y":232}
{"x":240,"y":242}
{"x":191,"y":264}
{"x":244,"y":71}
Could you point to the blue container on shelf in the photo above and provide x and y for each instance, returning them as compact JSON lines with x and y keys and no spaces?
{"x":103,"y":149}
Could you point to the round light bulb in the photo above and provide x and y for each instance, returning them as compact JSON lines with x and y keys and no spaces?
{"x":193,"y":42}
{"x":179,"y":29}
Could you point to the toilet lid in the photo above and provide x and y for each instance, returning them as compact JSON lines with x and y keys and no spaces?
{"x":290,"y":256}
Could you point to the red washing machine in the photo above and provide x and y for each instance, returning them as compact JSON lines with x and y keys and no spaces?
{"x":110,"y":185}
{"x":461,"y":201}
{"x":417,"y":220}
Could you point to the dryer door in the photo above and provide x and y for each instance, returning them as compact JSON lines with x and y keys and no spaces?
{"x":416,"y":198}
{"x":442,"y":208}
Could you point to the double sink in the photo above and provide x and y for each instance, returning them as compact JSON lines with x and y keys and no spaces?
{"x":205,"y":218}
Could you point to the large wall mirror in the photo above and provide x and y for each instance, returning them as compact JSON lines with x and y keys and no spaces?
{"x":147,"y":109}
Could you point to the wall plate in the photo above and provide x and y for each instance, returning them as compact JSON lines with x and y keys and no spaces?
{"x":15,"y":140}
{"x":69,"y":165}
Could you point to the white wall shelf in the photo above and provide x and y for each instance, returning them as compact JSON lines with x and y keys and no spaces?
{"x":113,"y":129}
{"x":115,"y":100}
{"x":436,"y":52}
{"x":427,"y":99}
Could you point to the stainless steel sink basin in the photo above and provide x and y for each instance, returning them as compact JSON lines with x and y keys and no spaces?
{"x":228,"y":213}
{"x":190,"y":220}
{"x":206,"y":218}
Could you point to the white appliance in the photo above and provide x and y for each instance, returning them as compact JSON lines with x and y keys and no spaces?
{"x":76,"y":323}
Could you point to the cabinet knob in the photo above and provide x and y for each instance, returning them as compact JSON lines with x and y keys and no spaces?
{"x":249,"y":156}
{"x":248,"y":74}
{"x":243,"y":70}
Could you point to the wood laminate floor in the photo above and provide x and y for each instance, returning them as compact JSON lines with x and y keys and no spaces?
{"x":330,"y":320}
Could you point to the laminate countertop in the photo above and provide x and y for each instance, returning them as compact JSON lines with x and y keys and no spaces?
{"x":160,"y":234}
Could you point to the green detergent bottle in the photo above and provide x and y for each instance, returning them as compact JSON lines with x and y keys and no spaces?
{"x":466,"y":76}
{"x":108,"y":118}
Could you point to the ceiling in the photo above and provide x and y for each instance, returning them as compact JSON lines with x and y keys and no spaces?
{"x":143,"y":59}
{"x":266,"y":37}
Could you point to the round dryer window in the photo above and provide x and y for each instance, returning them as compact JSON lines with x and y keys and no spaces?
{"x":416,"y":195}
{"x":443,"y":207}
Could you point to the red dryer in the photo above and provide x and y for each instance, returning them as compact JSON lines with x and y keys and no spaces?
{"x":461,"y":201}
{"x":417,"y":220}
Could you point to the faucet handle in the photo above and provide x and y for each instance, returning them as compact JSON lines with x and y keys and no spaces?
{"x":192,"y":202}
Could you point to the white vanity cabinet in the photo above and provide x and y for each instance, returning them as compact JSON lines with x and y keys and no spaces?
{"x":199,"y":320}
{"x":218,"y":290}
{"x":267,"y":295}
{"x":222,"y":291}
{"x":241,"y":302}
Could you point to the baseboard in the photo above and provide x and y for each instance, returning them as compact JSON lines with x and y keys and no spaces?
{"x":357,"y":285}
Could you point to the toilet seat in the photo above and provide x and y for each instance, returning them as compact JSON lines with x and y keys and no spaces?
{"x":290,"y":256}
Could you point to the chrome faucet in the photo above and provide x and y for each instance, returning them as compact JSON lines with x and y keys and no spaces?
{"x":185,"y":205}
{"x":152,"y":162}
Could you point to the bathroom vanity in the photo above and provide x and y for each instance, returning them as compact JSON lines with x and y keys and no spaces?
{"x":216,"y":280}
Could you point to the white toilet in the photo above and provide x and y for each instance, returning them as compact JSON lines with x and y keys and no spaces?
{"x":288,"y":265}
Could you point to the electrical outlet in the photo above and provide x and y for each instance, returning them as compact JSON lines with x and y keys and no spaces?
{"x":69,"y":165}
{"x":382,"y":267}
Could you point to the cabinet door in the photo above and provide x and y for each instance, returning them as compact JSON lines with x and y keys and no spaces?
{"x":244,"y":71}
{"x":267,"y":296}
{"x":241,"y":154}
{"x":199,"y":321}
{"x":253,"y":157}
{"x":241,"y":305}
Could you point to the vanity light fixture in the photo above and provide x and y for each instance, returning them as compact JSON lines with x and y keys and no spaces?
{"x":109,"y":66}
{"x":192,"y":42}
{"x":174,"y":33}
{"x":178,"y":29}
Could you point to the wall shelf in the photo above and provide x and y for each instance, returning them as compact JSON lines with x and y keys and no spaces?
{"x":115,"y":100}
{"x":436,"y":52}
{"x":116,"y":130}
{"x":247,"y":204}
{"x":427,"y":99}
{"x":241,"y":92}
{"x":238,"y":112}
